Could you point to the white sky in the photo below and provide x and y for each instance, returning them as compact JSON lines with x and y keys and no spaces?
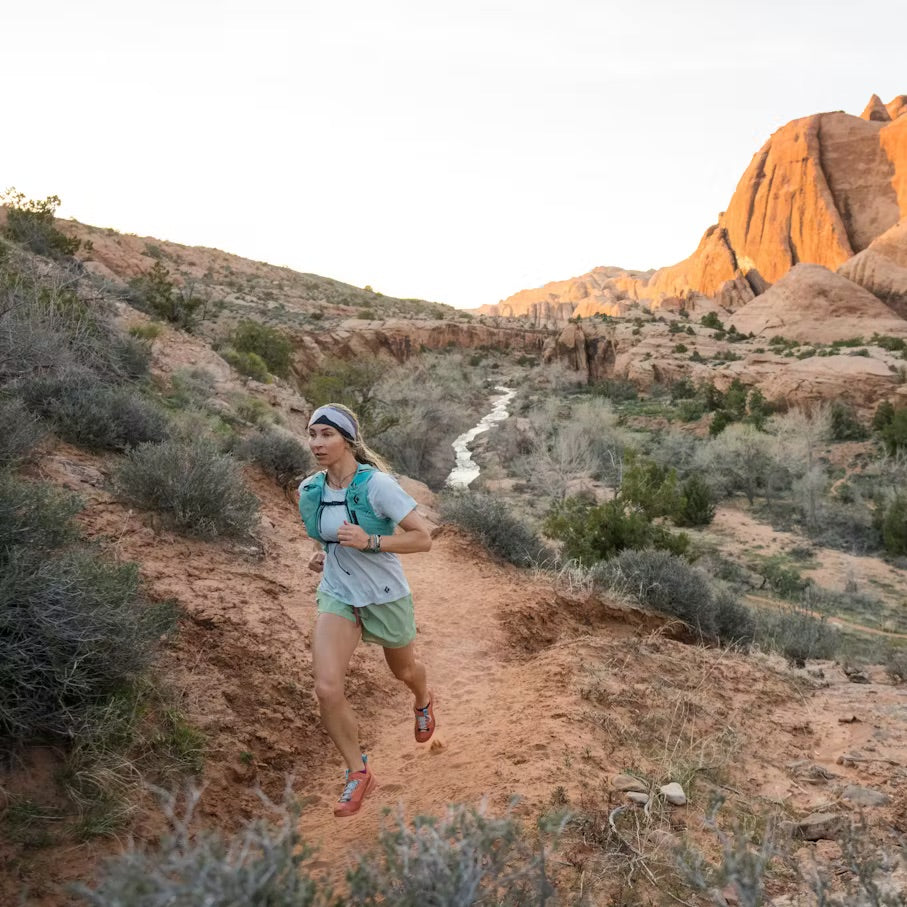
{"x":457,"y":152}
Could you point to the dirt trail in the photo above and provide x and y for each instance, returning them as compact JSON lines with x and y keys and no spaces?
{"x":498,"y":718}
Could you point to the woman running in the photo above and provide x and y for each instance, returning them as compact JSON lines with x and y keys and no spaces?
{"x":351,"y":509}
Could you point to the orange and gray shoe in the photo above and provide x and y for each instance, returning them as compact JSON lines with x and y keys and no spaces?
{"x":358,"y":784}
{"x":425,"y":721}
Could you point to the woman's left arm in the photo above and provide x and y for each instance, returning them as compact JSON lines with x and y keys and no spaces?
{"x":416,"y":536}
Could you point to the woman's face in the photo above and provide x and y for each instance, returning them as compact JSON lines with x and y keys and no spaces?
{"x":327,"y":445}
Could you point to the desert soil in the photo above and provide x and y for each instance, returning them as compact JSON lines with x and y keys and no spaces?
{"x":541,"y":695}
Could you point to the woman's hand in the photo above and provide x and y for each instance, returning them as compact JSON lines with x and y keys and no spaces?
{"x":352,"y":536}
{"x":316,"y":562}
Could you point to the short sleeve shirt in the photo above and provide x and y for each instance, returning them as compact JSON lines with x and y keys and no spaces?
{"x":360,"y":578}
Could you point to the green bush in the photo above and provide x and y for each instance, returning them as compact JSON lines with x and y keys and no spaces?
{"x":593,"y":532}
{"x":156,"y":293}
{"x":695,"y":505}
{"x":667,"y":583}
{"x":619,"y":390}
{"x":280,"y":454}
{"x":894,"y":432}
{"x":20,"y":432}
{"x":711,"y":320}
{"x":249,"y":364}
{"x":85,"y":411}
{"x":74,"y":629}
{"x":720,"y":422}
{"x":894,"y":525}
{"x":845,"y":426}
{"x":272,"y":346}
{"x":650,"y":486}
{"x":31,"y":222}
{"x":198,"y":489}
{"x":490,"y":521}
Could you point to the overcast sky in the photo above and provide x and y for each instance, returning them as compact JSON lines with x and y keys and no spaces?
{"x":457,"y":152}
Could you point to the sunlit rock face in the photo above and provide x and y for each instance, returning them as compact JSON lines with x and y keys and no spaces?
{"x":822,"y":190}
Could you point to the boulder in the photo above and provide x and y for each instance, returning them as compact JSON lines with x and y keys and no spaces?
{"x":813,"y":304}
{"x":674,"y":793}
{"x":628,"y":783}
{"x":882,"y":268}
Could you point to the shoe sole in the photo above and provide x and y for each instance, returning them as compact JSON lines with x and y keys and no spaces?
{"x":343,"y":812}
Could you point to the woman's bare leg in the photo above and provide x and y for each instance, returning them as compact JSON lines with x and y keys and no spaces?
{"x":333,"y":642}
{"x":404,"y":666}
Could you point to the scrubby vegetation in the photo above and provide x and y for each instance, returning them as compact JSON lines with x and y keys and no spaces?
{"x":492,"y":523}
{"x":464,"y":857}
{"x":197,"y":489}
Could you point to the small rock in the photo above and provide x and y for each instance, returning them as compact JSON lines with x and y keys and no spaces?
{"x":637,"y":797}
{"x":816,"y":826}
{"x":674,"y":793}
{"x":851,"y":720}
{"x":627,"y":783}
{"x":729,"y":893}
{"x":864,"y":796}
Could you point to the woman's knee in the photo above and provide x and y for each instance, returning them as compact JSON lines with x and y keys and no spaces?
{"x":405,"y":672}
{"x":329,"y":691}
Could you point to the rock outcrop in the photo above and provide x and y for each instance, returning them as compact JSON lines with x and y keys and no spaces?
{"x":399,"y":339}
{"x":814,"y":305}
{"x":882,"y":268}
{"x":820,"y":191}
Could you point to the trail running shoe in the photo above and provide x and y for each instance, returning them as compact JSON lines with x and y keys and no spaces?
{"x":358,"y":784}
{"x":425,"y":721}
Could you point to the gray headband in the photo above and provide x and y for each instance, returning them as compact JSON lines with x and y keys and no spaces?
{"x":330,"y":415}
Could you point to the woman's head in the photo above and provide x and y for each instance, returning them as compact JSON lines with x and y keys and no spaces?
{"x":345,"y":422}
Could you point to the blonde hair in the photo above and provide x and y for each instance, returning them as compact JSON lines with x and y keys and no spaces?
{"x":361,"y":451}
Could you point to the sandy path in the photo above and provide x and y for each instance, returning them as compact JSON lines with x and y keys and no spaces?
{"x":494,"y":714}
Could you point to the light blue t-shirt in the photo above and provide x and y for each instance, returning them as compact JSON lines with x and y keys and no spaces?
{"x":356,"y":577}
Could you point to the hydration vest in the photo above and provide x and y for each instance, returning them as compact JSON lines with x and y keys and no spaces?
{"x":358,"y":508}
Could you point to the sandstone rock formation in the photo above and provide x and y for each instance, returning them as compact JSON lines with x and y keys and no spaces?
{"x":882,"y":268}
{"x":814,"y":305}
{"x":821,"y":190}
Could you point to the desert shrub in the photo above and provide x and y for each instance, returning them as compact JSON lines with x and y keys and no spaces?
{"x":249,"y":364}
{"x":280,"y":454}
{"x":690,"y":409}
{"x":31,"y":222}
{"x":695,"y":504}
{"x":711,"y":320}
{"x":845,"y":426}
{"x":74,"y":629}
{"x":464,"y":857}
{"x":191,"y":387}
{"x":667,"y":583}
{"x":682,"y":389}
{"x":847,"y":526}
{"x":85,"y":411}
{"x":893,"y":525}
{"x":490,"y":521}
{"x":796,"y":633}
{"x":894,"y":432}
{"x":896,"y":664}
{"x":593,"y":532}
{"x":34,"y":516}
{"x":619,"y":390}
{"x":199,"y":490}
{"x":719,"y":422}
{"x":20,"y":432}
{"x":148,"y":332}
{"x":272,"y":346}
{"x":264,"y":864}
{"x":649,"y":485}
{"x":783,"y":578}
{"x":156,"y":293}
